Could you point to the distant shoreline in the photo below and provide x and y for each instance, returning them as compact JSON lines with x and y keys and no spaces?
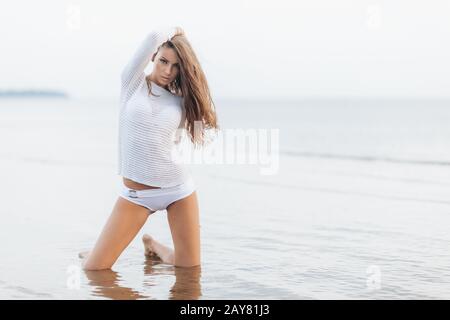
{"x":32,"y":94}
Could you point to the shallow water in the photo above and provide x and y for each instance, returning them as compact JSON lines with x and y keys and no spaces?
{"x":336,"y":221}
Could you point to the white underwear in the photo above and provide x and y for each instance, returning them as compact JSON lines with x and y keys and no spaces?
{"x":157,"y":199}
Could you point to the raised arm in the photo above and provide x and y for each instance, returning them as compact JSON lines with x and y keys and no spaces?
{"x":135,"y":67}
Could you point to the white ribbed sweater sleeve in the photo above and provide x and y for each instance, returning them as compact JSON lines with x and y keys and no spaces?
{"x":133,"y":72}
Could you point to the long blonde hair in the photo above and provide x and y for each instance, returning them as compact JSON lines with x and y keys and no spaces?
{"x":192,"y":86}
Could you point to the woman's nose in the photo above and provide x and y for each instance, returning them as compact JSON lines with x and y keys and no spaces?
{"x":168,"y":70}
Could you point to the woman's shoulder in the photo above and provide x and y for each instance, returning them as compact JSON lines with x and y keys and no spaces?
{"x":178,"y":98}
{"x":174,"y":100}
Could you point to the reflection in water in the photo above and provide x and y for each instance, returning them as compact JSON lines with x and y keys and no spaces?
{"x":187,"y":284}
{"x":106,"y":282}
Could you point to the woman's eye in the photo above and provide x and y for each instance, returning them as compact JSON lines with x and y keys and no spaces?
{"x":163,"y":61}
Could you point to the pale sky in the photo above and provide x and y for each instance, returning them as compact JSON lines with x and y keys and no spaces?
{"x":248,"y":49}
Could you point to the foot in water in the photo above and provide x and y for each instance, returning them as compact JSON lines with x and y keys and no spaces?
{"x":149,"y":247}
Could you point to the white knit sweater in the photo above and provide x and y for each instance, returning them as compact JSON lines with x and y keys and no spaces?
{"x":148,"y":124}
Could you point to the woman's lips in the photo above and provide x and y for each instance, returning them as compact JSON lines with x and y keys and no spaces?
{"x":167,"y":79}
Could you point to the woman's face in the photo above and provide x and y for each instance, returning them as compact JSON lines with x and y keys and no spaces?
{"x":166,"y":66}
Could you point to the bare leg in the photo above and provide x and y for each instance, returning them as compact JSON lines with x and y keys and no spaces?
{"x":121,"y":227}
{"x":155,"y":249}
{"x":184,"y":222}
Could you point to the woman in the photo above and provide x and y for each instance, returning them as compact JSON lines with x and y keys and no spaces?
{"x":153,"y":110}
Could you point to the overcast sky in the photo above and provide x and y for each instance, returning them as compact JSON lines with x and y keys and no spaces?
{"x":248,"y":48}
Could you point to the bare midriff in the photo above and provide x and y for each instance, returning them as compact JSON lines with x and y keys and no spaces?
{"x":136,"y":185}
